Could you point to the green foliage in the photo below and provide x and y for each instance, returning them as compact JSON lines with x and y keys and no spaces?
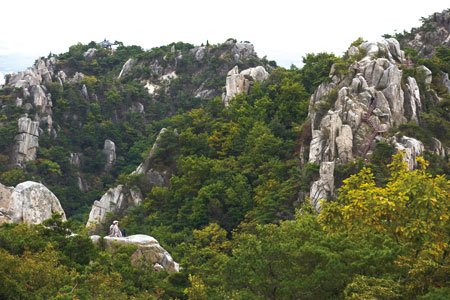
{"x":14,"y":176}
{"x":412,"y":210}
{"x":316,"y":69}
{"x":46,"y":262}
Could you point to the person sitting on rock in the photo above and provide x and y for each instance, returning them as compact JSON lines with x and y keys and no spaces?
{"x":114,"y":230}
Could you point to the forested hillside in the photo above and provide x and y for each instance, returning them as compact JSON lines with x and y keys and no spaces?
{"x":86,"y":96}
{"x":329,"y":181}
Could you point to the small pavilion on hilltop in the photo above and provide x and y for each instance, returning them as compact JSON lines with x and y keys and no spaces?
{"x":106,"y":44}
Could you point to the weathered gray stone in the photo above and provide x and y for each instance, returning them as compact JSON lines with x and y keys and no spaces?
{"x":199,"y":52}
{"x":352,"y":108}
{"x":438,"y":149}
{"x":62,"y":77}
{"x":242,"y":51}
{"x":127,"y":66}
{"x":27,"y":140}
{"x":90,"y":53}
{"x":426,"y":73}
{"x":344,"y":143}
{"x":352,"y":51}
{"x":413,"y":105}
{"x":29,"y":202}
{"x":115,"y":200}
{"x":240,"y":83}
{"x":75,"y":159}
{"x":149,"y":251}
{"x":169,"y":76}
{"x":109,"y":149}
{"x":316,"y":146}
{"x":323,"y":188}
{"x":137,"y":107}
{"x":156,"y":68}
{"x":394,"y":49}
{"x":77,"y":78}
{"x":413,"y":148}
{"x":84,"y":92}
{"x":445,"y":81}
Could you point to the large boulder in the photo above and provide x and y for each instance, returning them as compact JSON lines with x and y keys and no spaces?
{"x":29,"y":202}
{"x":149,"y":251}
{"x":237,"y":83}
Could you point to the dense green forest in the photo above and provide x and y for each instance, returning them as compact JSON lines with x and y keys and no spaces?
{"x":373,"y":242}
{"x":232,"y":215}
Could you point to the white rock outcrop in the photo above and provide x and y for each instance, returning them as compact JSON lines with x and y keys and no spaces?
{"x":438,"y":149}
{"x":413,"y":148}
{"x":119,"y":199}
{"x":149,"y":251}
{"x":90,"y":53}
{"x":237,"y":83}
{"x":127,"y":66}
{"x":41,"y":72}
{"x":77,"y":78}
{"x":412,"y":100}
{"x":323,"y":188}
{"x":199,"y":52}
{"x":32,"y":82}
{"x":358,"y":106}
{"x":115,"y":200}
{"x":109,"y":149}
{"x":424,"y":71}
{"x":29,"y":202}
{"x":340,"y":131}
{"x":27,"y":141}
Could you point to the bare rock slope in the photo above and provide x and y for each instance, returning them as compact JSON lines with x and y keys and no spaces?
{"x":356,"y":108}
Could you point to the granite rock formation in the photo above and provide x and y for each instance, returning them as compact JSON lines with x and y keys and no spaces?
{"x":119,"y":199}
{"x":357,"y":107}
{"x":29,"y":202}
{"x":149,"y":251}
{"x":237,"y":83}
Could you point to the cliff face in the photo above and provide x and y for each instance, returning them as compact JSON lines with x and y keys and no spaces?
{"x":357,"y":107}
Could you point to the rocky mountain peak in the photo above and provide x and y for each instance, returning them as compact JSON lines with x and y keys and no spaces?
{"x":356,"y":108}
{"x":435,"y":31}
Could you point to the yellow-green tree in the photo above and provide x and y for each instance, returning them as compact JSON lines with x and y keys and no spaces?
{"x":412,"y":209}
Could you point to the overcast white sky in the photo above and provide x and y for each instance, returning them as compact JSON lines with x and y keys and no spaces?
{"x":283,"y":30}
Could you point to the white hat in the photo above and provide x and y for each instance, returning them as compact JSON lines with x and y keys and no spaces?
{"x":115,"y":221}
